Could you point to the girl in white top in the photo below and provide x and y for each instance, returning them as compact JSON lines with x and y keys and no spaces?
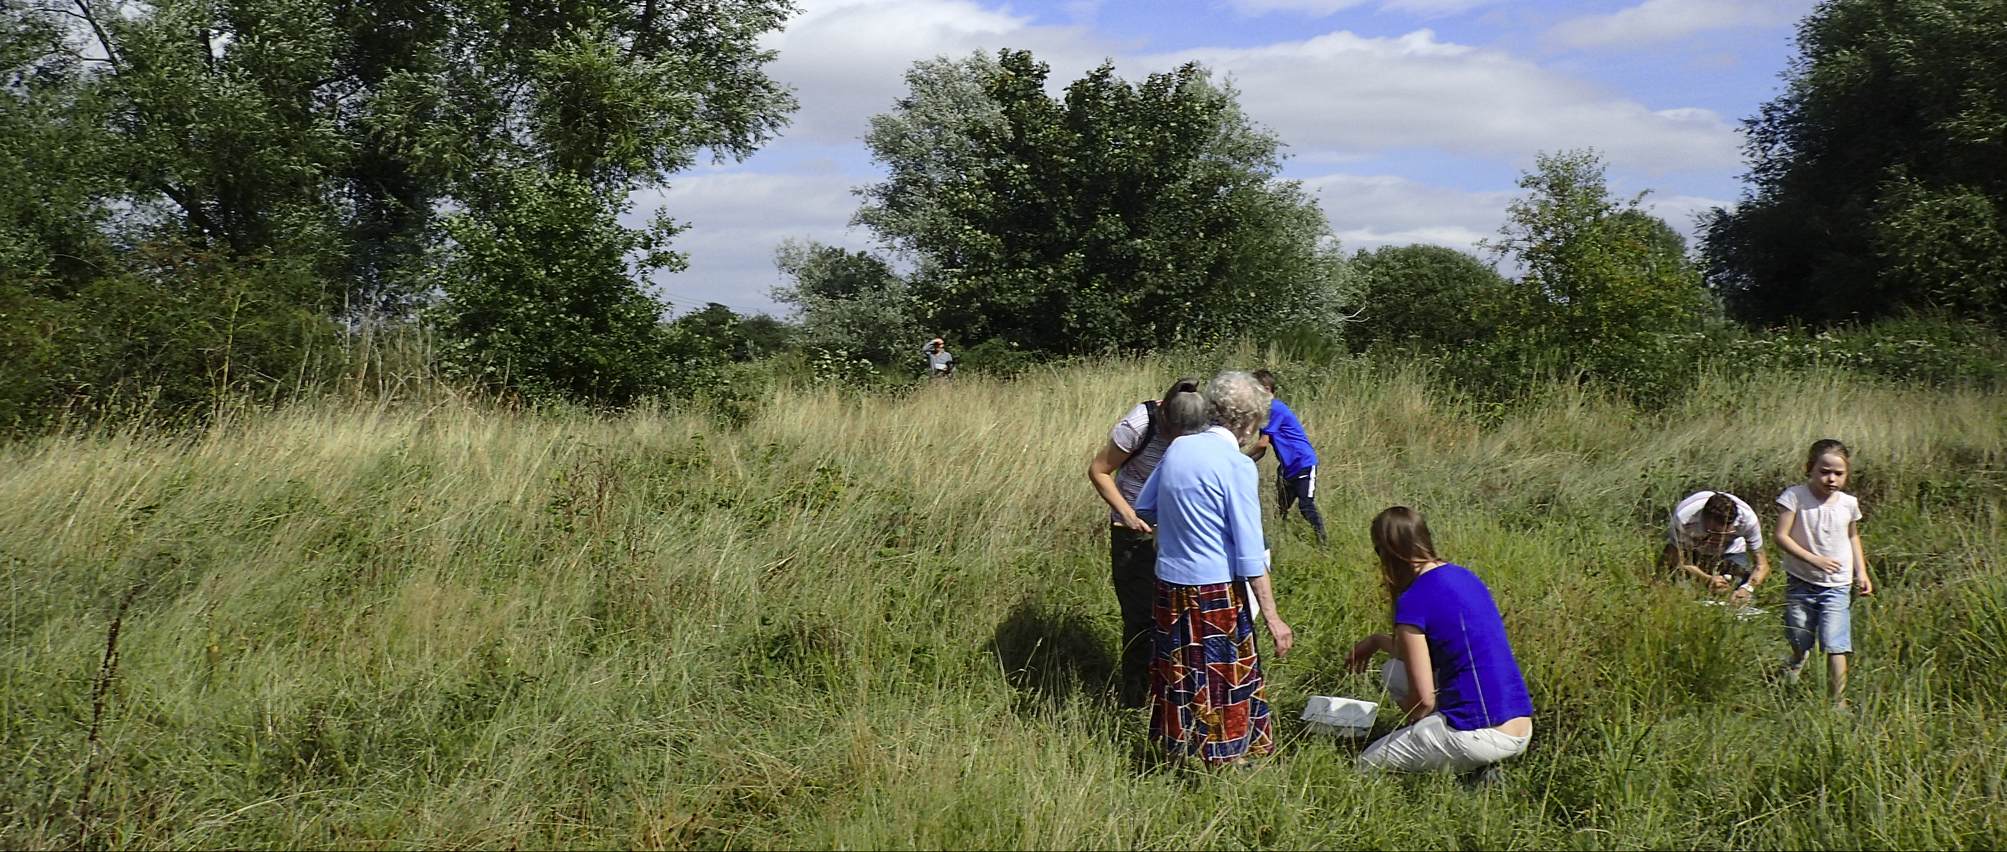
{"x":1819,"y":530}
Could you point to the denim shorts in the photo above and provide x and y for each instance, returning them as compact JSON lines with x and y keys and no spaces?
{"x":1828,"y":612}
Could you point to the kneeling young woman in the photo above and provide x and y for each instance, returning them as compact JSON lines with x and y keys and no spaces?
{"x":1452,"y":668}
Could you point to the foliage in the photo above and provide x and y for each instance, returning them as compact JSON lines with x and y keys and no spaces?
{"x":732,"y":337}
{"x":1879,"y":177}
{"x":995,"y":358}
{"x":326,"y":138}
{"x":853,"y":309}
{"x":333,"y":131}
{"x":181,"y":333}
{"x":1123,"y":215}
{"x":1423,"y":295}
{"x":1600,"y":278}
{"x":1915,"y":349}
{"x":541,"y":297}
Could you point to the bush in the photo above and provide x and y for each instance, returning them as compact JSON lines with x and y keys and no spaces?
{"x":181,"y":332}
{"x":542,"y":299}
{"x":995,"y":358}
{"x":1421,"y":295}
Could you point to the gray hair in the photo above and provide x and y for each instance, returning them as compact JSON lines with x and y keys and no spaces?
{"x":1239,"y":402}
{"x":1185,"y":413}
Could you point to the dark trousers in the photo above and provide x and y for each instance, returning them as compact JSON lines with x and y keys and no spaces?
{"x":1302,"y":491}
{"x":1132,"y":559}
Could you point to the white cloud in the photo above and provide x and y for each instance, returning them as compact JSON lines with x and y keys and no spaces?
{"x":1436,"y":8}
{"x":1371,"y":211}
{"x":1682,"y":212}
{"x":1665,"y":20}
{"x":1345,"y":93}
{"x":1316,"y":8}
{"x":1335,"y":99}
{"x":847,"y":59}
{"x":736,"y":219}
{"x":1324,"y":8}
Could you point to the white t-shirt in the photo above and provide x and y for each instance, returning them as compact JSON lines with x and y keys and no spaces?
{"x":1126,"y":435}
{"x":1690,"y":533}
{"x":1822,"y":529}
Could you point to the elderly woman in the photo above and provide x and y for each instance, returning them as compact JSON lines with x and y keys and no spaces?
{"x":1208,"y":698}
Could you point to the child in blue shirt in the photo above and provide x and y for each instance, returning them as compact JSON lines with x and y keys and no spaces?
{"x":1296,"y":460}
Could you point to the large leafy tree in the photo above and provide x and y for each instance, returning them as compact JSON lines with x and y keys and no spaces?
{"x":1878,"y":179}
{"x":339,"y":128}
{"x":1600,"y":277}
{"x":1121,"y":215}
{"x":333,"y":140}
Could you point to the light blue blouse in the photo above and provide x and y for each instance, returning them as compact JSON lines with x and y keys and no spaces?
{"x":1205,"y":501}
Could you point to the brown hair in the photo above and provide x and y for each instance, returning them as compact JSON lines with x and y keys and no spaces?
{"x":1720,"y":508}
{"x":1825,"y":446}
{"x":1184,"y":384}
{"x":1401,"y":538}
{"x":1267,"y":380}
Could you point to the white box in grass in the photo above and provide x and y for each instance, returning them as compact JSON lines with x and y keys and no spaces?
{"x":1345,"y":717}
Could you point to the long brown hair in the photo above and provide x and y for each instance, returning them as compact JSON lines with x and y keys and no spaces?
{"x":1401,"y":539}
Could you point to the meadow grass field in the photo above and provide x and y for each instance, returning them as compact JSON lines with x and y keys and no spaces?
{"x":857,"y":620}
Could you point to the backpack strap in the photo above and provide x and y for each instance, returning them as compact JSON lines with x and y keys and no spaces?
{"x":1149,"y":432}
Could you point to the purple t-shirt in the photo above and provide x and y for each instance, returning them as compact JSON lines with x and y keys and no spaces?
{"x":1478,"y":684}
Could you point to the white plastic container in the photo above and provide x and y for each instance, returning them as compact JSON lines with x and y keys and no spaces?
{"x":1344,"y":717}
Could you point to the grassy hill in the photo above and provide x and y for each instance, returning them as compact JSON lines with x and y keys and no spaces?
{"x":885,"y":621}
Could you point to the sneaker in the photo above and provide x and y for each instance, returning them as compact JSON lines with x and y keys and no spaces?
{"x":1790,"y":673}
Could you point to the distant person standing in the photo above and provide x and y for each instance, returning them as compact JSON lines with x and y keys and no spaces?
{"x":940,"y":364}
{"x":1118,"y":471}
{"x":1296,"y":461}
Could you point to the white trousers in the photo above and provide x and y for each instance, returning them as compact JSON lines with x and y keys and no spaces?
{"x":1431,"y":744}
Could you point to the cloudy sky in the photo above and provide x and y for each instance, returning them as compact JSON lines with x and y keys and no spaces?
{"x":1410,"y":119}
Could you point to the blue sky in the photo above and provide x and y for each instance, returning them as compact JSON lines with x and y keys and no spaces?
{"x":1410,"y":119}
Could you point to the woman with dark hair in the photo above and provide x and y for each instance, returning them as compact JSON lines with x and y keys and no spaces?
{"x":1208,"y":698}
{"x":1452,"y":669}
{"x":1117,"y":472}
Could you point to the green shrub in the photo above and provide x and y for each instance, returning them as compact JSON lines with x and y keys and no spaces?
{"x":178,"y":334}
{"x":543,"y":300}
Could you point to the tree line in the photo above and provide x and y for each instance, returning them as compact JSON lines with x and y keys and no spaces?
{"x":201,"y":198}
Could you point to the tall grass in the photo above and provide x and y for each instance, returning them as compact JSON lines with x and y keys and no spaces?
{"x":885,"y":621}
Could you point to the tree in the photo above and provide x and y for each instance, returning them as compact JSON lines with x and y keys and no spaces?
{"x":1601,"y":277}
{"x":1123,"y":215}
{"x":1422,"y":295}
{"x":541,"y":297}
{"x":325,"y":141}
{"x":850,"y":304}
{"x":337,"y":129}
{"x":730,"y":336}
{"x":1878,"y":179}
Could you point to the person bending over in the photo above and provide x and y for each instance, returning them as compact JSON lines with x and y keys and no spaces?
{"x":1713,"y":538}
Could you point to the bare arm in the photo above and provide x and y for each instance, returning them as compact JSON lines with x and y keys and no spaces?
{"x":1257,"y":449}
{"x":1362,"y":653}
{"x":1861,"y":581}
{"x":1413,"y":649}
{"x":1786,"y":521}
{"x":1756,"y":577}
{"x":1673,"y":559}
{"x":1101,"y":472}
{"x":1264,"y":594}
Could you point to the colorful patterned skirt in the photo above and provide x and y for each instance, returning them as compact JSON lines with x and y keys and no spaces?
{"x":1207,"y":698}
